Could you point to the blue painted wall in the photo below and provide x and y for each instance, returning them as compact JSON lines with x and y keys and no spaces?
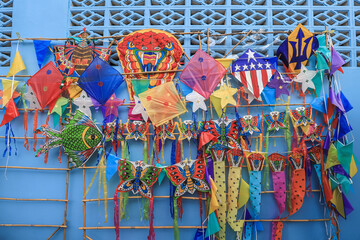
{"x":41,"y":18}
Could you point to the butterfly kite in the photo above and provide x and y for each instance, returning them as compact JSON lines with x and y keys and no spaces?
{"x":188,"y":176}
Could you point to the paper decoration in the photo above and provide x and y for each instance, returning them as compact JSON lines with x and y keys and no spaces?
{"x":226,"y":93}
{"x":162,"y":103}
{"x":254,"y":71}
{"x":111,"y":106}
{"x":279,"y":84}
{"x":336,"y":61}
{"x":197,"y":100}
{"x":84,"y":103}
{"x":41,"y":50}
{"x":17,"y":65}
{"x":100,"y":80}
{"x":305,"y":78}
{"x":11,"y":112}
{"x":9,"y":87}
{"x":203,"y":73}
{"x":80,"y":138}
{"x":139,"y":109}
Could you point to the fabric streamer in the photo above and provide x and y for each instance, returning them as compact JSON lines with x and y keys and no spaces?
{"x":219,"y":172}
{"x":256,"y":163}
{"x":297,"y":162}
{"x":235,"y":158}
{"x":277,"y":165}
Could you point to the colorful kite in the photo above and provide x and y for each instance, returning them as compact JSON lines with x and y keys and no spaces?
{"x":188,"y":176}
{"x":162,"y":103}
{"x":46,"y":84}
{"x":100,"y":80}
{"x":80,"y":138}
{"x":149,"y":50}
{"x":76,"y":57}
{"x":254,"y":71}
{"x":297,"y":48}
{"x":202,"y":73}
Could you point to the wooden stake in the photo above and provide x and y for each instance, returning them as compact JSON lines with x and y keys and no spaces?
{"x":207,"y":41}
{"x":34,"y":199}
{"x":54,"y":233}
{"x":84,"y":203}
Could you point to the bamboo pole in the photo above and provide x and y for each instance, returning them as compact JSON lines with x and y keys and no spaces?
{"x":89,"y":238}
{"x":190,"y":227}
{"x":183,"y":197}
{"x":34,"y":199}
{"x":54,"y":233}
{"x":84,"y":202}
{"x":207,"y":41}
{"x":138,"y":227}
{"x":91,"y":38}
{"x":134,"y":197}
{"x":66,"y":194}
{"x":32,"y":225}
{"x":36,"y":168}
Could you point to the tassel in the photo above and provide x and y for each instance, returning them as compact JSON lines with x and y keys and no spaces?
{"x":180,"y":207}
{"x":151,"y":220}
{"x":36,"y":115}
{"x":176,"y":225}
{"x":59,"y":156}
{"x":116,"y":215}
{"x":26,"y":141}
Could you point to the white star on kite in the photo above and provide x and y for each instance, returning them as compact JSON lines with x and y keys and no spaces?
{"x":84,"y":103}
{"x":251,"y":55}
{"x":139,"y":109}
{"x":237,"y":67}
{"x":267,"y":65}
{"x":245,"y":67}
{"x":197,"y":100}
{"x":305,"y":78}
{"x":30,"y":96}
{"x":252,"y":66}
{"x":260,"y":65}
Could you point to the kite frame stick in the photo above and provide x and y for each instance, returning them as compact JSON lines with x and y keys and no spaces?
{"x":241,"y":40}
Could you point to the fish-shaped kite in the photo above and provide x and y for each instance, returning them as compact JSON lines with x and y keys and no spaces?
{"x":80,"y":138}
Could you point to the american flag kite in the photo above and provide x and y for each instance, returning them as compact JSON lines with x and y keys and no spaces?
{"x":254,"y":71}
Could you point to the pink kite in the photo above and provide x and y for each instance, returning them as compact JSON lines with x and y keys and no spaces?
{"x":203,"y":73}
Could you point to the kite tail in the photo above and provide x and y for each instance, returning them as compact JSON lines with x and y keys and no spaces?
{"x":36,"y":115}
